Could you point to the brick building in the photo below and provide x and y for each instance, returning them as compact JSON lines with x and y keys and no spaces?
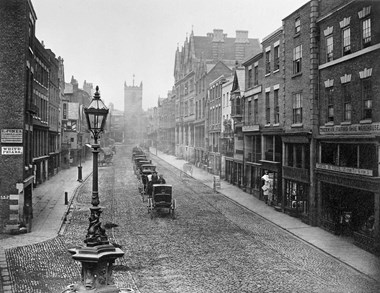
{"x":347,"y":167}
{"x":74,"y":128}
{"x":29,"y":115}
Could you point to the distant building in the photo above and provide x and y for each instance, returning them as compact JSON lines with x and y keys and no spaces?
{"x":115,"y":122}
{"x":74,"y":127}
{"x":201,"y":60}
{"x":133,"y":113}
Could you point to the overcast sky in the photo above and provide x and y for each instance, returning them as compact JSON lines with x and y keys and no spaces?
{"x":106,"y":42}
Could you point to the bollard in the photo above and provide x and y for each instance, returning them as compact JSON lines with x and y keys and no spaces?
{"x":66,"y":199}
{"x":80,"y":174}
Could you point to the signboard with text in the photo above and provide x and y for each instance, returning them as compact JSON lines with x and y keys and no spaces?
{"x":11,"y":135}
{"x":373,"y":128}
{"x":12,"y":150}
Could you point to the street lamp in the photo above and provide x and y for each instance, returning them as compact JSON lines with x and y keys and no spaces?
{"x":98,"y":256}
{"x":96,"y":116}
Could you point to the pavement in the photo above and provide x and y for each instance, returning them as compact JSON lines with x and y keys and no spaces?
{"x":49,"y":211}
{"x":339,"y":247}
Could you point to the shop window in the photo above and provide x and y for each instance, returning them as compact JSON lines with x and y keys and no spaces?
{"x":367,"y":156}
{"x":289,"y":155}
{"x":348,"y":155}
{"x":296,"y":197}
{"x":329,"y":153}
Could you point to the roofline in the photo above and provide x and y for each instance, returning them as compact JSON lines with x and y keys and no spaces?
{"x":299,"y":8}
{"x":272,"y":34}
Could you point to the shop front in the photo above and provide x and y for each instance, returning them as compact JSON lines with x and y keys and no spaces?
{"x":229,"y":169}
{"x":349,"y":206}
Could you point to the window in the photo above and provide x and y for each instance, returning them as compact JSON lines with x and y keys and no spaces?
{"x":366,"y":32}
{"x":297,"y":59}
{"x":267,"y":108}
{"x":347,"y":107}
{"x":367,"y":98}
{"x":256,"y":111}
{"x":250,"y":79}
{"x":329,"y":48}
{"x":276,"y":52}
{"x":297,"y":25}
{"x":276,"y":108}
{"x":256,"y":75}
{"x":297,"y":108}
{"x":330,"y":104}
{"x":267,"y":62}
{"x":250,"y":111}
{"x":346,"y":41}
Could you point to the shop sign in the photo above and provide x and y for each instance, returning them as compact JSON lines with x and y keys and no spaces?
{"x":350,"y":129}
{"x":355,"y":171}
{"x":11,"y":135}
{"x":11,"y":150}
{"x":251,"y":128}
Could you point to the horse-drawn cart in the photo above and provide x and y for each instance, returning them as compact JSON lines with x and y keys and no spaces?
{"x":161,"y":199}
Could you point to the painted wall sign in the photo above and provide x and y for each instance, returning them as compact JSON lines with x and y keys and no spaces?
{"x":11,"y":150}
{"x":350,"y":129}
{"x":11,"y":135}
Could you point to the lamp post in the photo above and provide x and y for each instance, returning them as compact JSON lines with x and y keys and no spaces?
{"x":98,"y":256}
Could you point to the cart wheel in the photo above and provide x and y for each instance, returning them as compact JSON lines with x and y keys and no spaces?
{"x":149,"y":204}
{"x":172,"y":209}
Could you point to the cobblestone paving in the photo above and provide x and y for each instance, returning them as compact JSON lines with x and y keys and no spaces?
{"x":213,"y":245}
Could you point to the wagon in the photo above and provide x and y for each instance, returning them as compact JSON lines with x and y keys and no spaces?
{"x":148,"y":167}
{"x":138,"y":167}
{"x":161,"y":199}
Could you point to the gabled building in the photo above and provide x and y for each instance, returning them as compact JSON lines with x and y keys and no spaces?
{"x":193,"y":63}
{"x":235,"y":164}
{"x":227,"y":126}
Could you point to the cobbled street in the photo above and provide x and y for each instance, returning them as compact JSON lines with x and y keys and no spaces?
{"x":212,"y":245}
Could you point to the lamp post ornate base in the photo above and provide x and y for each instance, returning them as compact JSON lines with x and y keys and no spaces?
{"x":96,"y":234}
{"x":97,"y":262}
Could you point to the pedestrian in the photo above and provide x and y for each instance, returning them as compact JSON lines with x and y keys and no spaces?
{"x":161,"y":179}
{"x":153,"y":180}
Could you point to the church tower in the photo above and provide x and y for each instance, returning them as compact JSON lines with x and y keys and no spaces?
{"x":133,"y":112}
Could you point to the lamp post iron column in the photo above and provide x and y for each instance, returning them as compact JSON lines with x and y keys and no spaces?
{"x":98,"y":256}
